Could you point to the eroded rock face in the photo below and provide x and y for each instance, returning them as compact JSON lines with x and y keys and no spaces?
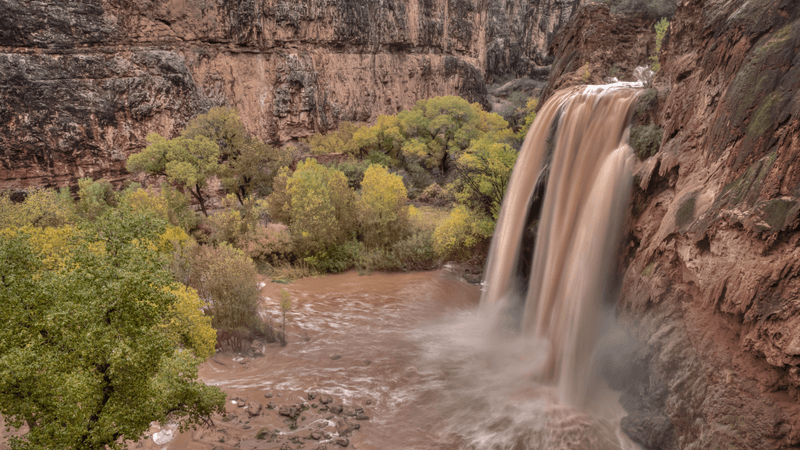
{"x":83,"y":82}
{"x":710,"y":286}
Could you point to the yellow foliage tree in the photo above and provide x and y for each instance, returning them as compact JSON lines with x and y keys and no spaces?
{"x":382,"y":207}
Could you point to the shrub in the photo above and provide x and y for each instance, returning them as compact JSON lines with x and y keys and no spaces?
{"x":270,"y":244}
{"x":462,"y":231}
{"x":646,"y":140}
{"x":646,"y":101}
{"x":661,"y":30}
{"x":416,"y":252}
{"x":226,"y":280}
{"x":353,"y":170}
{"x":436,"y":195}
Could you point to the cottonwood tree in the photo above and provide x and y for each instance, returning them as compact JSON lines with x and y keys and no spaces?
{"x":382,"y":207}
{"x":187,"y":162}
{"x":247,"y":165}
{"x":97,"y":340}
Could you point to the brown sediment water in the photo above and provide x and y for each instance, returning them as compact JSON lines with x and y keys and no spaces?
{"x":433,"y":362}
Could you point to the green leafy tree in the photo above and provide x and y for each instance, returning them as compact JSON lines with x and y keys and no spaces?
{"x":382,"y":207}
{"x":339,"y":141}
{"x":484,"y":172}
{"x":86,"y":360}
{"x":322,"y":208}
{"x":248,"y":164}
{"x":41,"y":208}
{"x":187,"y":162}
{"x":94,"y":197}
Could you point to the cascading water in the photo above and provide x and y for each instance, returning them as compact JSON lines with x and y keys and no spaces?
{"x":578,"y":148}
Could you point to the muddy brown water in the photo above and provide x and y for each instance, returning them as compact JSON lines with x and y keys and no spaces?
{"x":416,"y":352}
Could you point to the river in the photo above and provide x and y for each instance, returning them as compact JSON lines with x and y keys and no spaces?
{"x":416,"y":353}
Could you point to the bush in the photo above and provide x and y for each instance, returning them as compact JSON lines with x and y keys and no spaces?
{"x":270,"y":244}
{"x":416,"y":252}
{"x":94,"y":197}
{"x":226,"y":280}
{"x":646,"y":140}
{"x":460,"y":234}
{"x":436,"y":195}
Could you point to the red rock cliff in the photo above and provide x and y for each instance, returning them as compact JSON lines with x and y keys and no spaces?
{"x":83,"y":82}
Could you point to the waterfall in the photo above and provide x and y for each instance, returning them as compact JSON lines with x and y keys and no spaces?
{"x":556,"y":245}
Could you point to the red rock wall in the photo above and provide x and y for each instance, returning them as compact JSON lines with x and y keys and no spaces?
{"x":83,"y":82}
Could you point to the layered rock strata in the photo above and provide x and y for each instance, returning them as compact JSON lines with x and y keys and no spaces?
{"x":83,"y":82}
{"x":710,"y":287}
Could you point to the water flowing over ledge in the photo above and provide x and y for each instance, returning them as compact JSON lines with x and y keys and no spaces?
{"x":555,"y":250}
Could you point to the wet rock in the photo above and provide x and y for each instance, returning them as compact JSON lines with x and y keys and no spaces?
{"x":349,"y":412}
{"x":367,"y":362}
{"x":337,"y":409}
{"x":343,"y":428}
{"x":329,"y":417}
{"x":314,"y":405}
{"x":254,"y":409}
{"x":344,"y":442}
{"x":356,"y":426}
{"x":336,"y":356}
{"x":290,"y":411}
{"x":312,"y":395}
{"x":271,"y":405}
{"x":368,"y":402}
{"x":359,"y":411}
{"x":325,"y":399}
{"x":316,"y":435}
{"x":286,"y":447}
{"x":362,"y":417}
{"x":268,"y":395}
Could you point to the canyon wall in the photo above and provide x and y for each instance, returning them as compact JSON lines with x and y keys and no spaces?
{"x":710,"y":285}
{"x":83,"y":82}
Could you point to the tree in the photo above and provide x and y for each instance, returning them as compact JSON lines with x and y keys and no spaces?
{"x":322,"y":208}
{"x":86,"y":358}
{"x":382,"y":207}
{"x":484,"y":172}
{"x":187,"y":162}
{"x":247,"y":163}
{"x":279,"y":202}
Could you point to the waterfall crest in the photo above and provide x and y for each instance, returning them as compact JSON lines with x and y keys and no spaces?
{"x":576,"y":153}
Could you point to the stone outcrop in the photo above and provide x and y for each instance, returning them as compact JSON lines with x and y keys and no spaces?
{"x":83,"y":82}
{"x":711,"y":287}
